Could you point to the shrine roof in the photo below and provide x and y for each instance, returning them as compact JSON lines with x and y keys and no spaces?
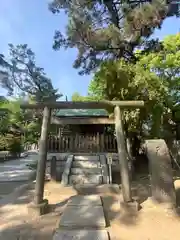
{"x":81,"y":113}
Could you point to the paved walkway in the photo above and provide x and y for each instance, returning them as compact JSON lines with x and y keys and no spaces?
{"x":14,"y":173}
{"x":82,"y":219}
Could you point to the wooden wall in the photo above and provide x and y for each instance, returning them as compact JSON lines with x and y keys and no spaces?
{"x":83,"y":143}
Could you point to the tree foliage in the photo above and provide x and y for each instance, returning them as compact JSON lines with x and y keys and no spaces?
{"x":25,"y":76}
{"x":76,"y":97}
{"x":4,"y":65}
{"x":108,"y":29}
{"x":10,"y":133}
{"x":15,"y":121}
{"x":20,"y":74}
{"x":155,"y":78}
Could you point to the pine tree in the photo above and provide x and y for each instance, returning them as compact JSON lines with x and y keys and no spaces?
{"x":107,"y":29}
{"x":23,"y":75}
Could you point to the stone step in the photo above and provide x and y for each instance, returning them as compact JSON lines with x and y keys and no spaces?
{"x":85,"y":164}
{"x":85,"y":179}
{"x":80,"y":217}
{"x":86,"y":200}
{"x":81,"y":235}
{"x":86,"y":171}
{"x":86,"y":158}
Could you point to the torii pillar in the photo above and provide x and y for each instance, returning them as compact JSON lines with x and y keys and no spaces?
{"x":127,"y":202}
{"x":40,"y":206}
{"x":122,"y":155}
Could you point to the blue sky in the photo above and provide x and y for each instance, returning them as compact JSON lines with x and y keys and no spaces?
{"x":30,"y":21}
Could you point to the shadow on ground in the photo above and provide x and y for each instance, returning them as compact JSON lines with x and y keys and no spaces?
{"x":16,"y":224}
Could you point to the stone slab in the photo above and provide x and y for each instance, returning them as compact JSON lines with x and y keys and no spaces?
{"x":75,"y":217}
{"x":86,"y":158}
{"x":86,"y":171}
{"x":92,"y":200}
{"x":162,"y":185}
{"x":86,"y":164}
{"x":85,"y":179}
{"x":81,"y":235}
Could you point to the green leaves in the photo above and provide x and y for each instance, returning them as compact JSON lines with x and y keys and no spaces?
{"x":25,"y":76}
{"x":107,"y":30}
{"x":155,"y":78}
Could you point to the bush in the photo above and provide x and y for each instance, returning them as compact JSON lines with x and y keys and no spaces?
{"x":15,"y":147}
{"x":11,"y":143}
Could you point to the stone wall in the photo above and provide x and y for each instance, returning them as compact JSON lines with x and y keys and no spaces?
{"x":62,"y":157}
{"x":60,"y":164}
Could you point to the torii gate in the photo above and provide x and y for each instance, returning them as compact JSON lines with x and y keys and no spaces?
{"x":122,"y":153}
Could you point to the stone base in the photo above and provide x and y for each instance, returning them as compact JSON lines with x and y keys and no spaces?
{"x":38,"y":209}
{"x":133,"y":206}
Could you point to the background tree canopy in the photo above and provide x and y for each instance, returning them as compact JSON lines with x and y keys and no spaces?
{"x":24,"y":81}
{"x":154,"y":78}
{"x":109,"y":29}
{"x":21,"y":74}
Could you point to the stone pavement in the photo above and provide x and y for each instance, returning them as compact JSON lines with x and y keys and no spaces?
{"x":14,"y":173}
{"x":82,"y":219}
{"x":7,"y":188}
{"x":81,"y":234}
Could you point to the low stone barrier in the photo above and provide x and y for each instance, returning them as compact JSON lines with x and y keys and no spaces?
{"x":105,"y":170}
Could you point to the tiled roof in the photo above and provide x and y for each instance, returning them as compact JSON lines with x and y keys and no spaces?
{"x":81,"y":112}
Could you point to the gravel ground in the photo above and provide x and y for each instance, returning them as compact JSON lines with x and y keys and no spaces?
{"x":148,"y":224}
{"x":8,"y":187}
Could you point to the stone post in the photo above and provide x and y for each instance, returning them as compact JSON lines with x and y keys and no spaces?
{"x":53,"y":168}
